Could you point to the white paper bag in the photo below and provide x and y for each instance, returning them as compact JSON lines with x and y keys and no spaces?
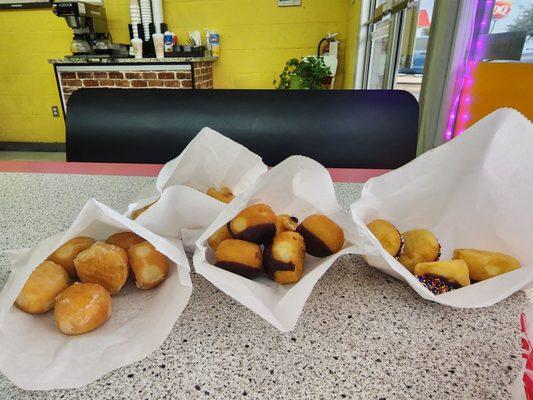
{"x":35,"y":355}
{"x":209,"y":160}
{"x":299,"y":187}
{"x":475,"y":191}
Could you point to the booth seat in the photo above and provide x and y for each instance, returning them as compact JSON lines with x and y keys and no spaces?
{"x":339,"y":128}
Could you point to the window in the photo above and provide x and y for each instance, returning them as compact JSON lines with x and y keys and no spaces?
{"x":510,"y":35}
{"x":413,"y":46}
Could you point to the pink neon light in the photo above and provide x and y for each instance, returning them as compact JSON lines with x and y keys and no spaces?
{"x":474,"y":54}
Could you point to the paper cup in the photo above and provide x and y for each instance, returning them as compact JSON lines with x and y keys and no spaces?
{"x":137,"y":47}
{"x":159,"y":45}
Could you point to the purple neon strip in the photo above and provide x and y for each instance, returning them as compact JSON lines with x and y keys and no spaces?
{"x":475,"y":48}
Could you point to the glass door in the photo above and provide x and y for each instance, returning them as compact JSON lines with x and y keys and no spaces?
{"x":398,"y":34}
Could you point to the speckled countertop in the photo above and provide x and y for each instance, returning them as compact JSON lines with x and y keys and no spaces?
{"x":362,"y":334}
{"x":127,"y":60}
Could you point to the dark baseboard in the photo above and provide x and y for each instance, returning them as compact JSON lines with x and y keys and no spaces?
{"x":32,"y":146}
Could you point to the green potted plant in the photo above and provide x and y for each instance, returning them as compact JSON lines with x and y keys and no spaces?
{"x":306,"y":73}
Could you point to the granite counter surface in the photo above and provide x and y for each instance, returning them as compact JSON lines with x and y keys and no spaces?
{"x":127,"y":60}
{"x":362,"y":334}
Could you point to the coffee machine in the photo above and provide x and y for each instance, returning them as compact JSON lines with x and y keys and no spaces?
{"x":89,"y":23}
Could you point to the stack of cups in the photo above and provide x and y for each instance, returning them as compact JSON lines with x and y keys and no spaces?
{"x":146,"y":13}
{"x":157,"y":11}
{"x":135,"y":17}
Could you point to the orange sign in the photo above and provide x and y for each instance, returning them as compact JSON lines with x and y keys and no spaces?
{"x":501,"y":9}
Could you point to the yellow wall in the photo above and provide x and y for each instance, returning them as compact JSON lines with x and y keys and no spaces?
{"x":27,"y":85}
{"x":257,"y":37}
{"x":351,"y":42}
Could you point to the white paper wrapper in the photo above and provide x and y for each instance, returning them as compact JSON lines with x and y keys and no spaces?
{"x":299,"y":187}
{"x":209,"y":160}
{"x":473,"y":192}
{"x":35,"y":355}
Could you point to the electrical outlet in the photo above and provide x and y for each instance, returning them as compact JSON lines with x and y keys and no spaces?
{"x":289,"y":3}
{"x":55,"y":111}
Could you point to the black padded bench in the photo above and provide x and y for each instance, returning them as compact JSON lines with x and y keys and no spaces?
{"x":339,"y":128}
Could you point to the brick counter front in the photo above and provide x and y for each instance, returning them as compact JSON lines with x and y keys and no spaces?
{"x":72,"y":77}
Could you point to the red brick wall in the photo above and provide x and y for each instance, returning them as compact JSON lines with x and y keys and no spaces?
{"x":72,"y":81}
{"x":203,"y":75}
